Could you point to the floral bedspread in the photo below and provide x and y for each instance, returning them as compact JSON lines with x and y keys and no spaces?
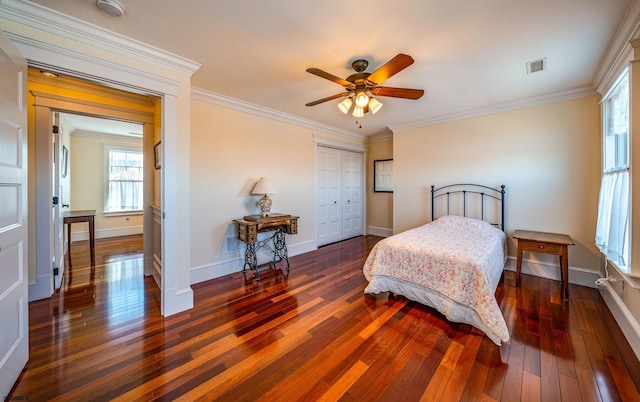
{"x":459,"y":258}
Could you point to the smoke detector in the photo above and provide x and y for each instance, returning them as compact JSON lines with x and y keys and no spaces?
{"x":111,"y":7}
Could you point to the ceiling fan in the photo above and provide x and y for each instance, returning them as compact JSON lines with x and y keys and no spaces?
{"x":361,"y":86}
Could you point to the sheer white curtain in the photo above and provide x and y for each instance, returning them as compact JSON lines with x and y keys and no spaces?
{"x":612,"y":235}
{"x":125,"y":181}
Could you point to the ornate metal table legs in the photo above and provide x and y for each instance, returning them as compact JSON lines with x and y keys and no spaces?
{"x":279,"y":252}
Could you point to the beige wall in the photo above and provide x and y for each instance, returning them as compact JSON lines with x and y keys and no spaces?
{"x":379,"y":205}
{"x":230,"y":150}
{"x":87,"y":169}
{"x":547,"y":156}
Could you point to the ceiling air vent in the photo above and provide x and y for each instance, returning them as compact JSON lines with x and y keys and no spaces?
{"x":536,"y":65}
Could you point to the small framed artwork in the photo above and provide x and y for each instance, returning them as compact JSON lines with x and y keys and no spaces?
{"x":383,"y":176}
{"x":157,"y":155}
{"x":64,"y":161}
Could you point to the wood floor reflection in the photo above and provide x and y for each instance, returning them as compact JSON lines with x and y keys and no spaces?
{"x":311,"y":335}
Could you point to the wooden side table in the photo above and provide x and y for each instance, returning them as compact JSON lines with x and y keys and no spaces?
{"x":88,"y":216}
{"x":247,"y":230}
{"x":548,"y":243}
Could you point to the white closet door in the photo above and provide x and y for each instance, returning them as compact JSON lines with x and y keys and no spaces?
{"x":328,"y":195}
{"x":352,"y":177}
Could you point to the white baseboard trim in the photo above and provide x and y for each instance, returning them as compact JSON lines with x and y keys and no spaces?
{"x":156,"y":268}
{"x":179,"y":300}
{"x":104,"y":233}
{"x":577,"y":275}
{"x":376,"y":231}
{"x":235,"y":264}
{"x":627,"y":323}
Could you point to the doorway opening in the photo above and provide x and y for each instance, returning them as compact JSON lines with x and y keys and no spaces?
{"x":106,"y":167}
{"x":102,"y":174}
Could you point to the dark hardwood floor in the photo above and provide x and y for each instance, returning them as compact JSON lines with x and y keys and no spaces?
{"x":312,"y":335}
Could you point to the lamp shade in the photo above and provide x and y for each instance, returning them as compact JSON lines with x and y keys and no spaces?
{"x":358,"y":111}
{"x":264,"y":186}
{"x":374,"y":105}
{"x":361,"y":98}
{"x":345,"y":105}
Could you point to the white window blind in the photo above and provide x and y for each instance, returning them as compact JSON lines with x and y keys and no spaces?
{"x":124,"y":190}
{"x":612,"y":229}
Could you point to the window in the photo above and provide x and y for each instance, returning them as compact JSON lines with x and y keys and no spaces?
{"x":124,"y":184}
{"x":612,"y":230}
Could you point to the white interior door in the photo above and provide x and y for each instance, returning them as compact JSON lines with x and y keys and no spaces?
{"x":14,"y":334}
{"x":56,"y":216}
{"x":328,"y":195}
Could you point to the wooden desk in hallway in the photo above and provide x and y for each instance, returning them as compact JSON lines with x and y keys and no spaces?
{"x":88,"y":216}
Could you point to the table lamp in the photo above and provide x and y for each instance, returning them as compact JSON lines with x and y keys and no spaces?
{"x":264,"y":186}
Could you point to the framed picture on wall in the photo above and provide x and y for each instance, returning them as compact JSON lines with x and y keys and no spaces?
{"x":64,"y":161}
{"x":157,"y":155}
{"x":383,"y":176}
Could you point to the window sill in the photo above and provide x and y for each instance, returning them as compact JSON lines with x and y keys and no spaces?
{"x":122,"y":213}
{"x":632,"y":279}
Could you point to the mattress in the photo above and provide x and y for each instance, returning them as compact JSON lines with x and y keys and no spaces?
{"x":452,"y":264}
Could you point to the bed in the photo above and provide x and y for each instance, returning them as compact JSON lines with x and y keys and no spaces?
{"x":452,"y":264}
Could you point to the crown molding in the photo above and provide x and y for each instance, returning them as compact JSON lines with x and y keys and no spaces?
{"x":76,"y":85}
{"x":55,"y":100}
{"x":500,"y":108}
{"x":56,"y":23}
{"x":618,"y":52}
{"x":381,"y":137}
{"x":134,"y":79}
{"x":251,"y":108}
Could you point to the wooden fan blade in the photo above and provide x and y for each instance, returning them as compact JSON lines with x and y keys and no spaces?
{"x":328,"y":99}
{"x":398,"y":92}
{"x":392,"y":67}
{"x":330,"y":77}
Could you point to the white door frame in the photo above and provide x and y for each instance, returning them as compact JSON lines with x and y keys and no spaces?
{"x":45,"y":105}
{"x":72,"y":47}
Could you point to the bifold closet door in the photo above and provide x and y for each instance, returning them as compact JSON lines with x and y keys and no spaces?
{"x":352,"y":196}
{"x":339,"y":195}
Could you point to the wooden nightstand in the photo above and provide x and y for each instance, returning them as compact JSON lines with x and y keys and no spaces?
{"x":548,"y":243}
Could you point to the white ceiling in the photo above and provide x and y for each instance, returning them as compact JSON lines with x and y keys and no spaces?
{"x":76,"y":123}
{"x":469,"y":54}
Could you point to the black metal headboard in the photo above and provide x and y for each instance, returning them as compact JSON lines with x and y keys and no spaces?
{"x":463,"y":190}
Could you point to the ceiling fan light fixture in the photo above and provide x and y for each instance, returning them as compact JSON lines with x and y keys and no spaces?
{"x":345,"y":105}
{"x":374,"y":105}
{"x":358,"y":111}
{"x":362,"y":99}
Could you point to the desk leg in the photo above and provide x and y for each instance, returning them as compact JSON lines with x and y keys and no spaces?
{"x":69,"y":242}
{"x":250,"y":259}
{"x":564,"y":268}
{"x":280,"y":247}
{"x":519,"y":263}
{"x":92,"y":239}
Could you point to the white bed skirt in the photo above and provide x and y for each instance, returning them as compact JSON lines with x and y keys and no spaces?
{"x":453,"y":311}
